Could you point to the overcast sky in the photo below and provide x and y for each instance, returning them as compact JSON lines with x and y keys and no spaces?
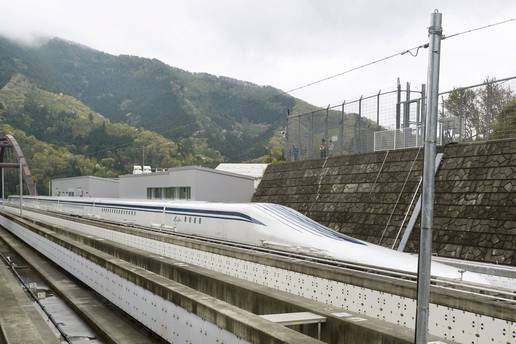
{"x":283,"y":43}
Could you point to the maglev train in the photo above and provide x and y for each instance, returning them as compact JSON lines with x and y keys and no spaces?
{"x":259,"y":224}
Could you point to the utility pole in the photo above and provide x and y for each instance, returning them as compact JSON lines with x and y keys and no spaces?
{"x":425,"y":247}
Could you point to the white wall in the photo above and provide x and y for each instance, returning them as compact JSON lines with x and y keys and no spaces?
{"x":104,"y":188}
{"x":217,"y":187}
{"x":79,"y":186}
{"x":135,"y":186}
{"x":205,"y":185}
{"x":86,"y":186}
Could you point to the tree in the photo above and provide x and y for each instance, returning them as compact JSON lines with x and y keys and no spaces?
{"x":492,"y":98}
{"x":461,"y":104}
{"x":275,"y":155}
{"x":505,"y":124}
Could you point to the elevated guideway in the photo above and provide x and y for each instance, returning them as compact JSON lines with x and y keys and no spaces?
{"x":360,"y":304}
{"x":172,"y":310}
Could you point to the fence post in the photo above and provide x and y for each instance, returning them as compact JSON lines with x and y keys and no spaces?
{"x":299,"y":134}
{"x":326,"y":124}
{"x":461,"y":118}
{"x":342,"y":129}
{"x":378,"y":110}
{"x":398,"y":104}
{"x":395,"y":138}
{"x":441,"y":131}
{"x":359,"y":127}
{"x":311,"y":150}
{"x":423,"y":111}
{"x":418,"y":109}
{"x":406,"y":109}
{"x":460,"y":127}
{"x":406,"y":115}
{"x":287,"y":137}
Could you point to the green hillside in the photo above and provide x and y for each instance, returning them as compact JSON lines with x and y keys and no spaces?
{"x":82,"y":141}
{"x":236,"y":118}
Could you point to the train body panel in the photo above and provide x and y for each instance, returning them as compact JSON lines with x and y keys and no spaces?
{"x":259,"y":224}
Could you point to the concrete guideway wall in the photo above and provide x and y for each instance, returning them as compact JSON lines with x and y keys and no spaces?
{"x":367,"y":196}
{"x":173,"y":311}
{"x":453,"y":315}
{"x":108,"y":322}
{"x":339,"y":327}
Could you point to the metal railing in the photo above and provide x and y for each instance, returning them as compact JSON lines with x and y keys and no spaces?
{"x":349,"y":127}
{"x":395,"y":120}
{"x":399,"y":138}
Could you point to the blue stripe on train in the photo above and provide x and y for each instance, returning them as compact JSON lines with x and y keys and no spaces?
{"x":218,"y":214}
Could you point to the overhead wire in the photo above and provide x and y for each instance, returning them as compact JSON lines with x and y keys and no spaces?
{"x":400,"y":53}
{"x":408,"y":51}
{"x":479,"y":28}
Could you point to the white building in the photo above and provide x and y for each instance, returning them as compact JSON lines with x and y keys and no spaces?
{"x":85,"y":186}
{"x":253,"y":170}
{"x":190,"y":182}
{"x":184,"y":183}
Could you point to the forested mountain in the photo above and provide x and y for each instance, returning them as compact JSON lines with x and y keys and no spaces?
{"x":77,"y":111}
{"x":233,"y":117}
{"x":61,"y":136}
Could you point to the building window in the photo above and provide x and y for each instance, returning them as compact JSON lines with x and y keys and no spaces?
{"x":170,"y":193}
{"x":176,"y":192}
{"x":184,"y":192}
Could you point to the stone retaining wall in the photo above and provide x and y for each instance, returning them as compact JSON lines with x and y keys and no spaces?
{"x":367,"y":196}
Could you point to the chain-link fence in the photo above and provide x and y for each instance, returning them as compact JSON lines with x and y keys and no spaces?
{"x":350,"y":127}
{"x":395,"y":119}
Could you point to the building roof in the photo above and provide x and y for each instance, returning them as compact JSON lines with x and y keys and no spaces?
{"x":253,"y":170}
{"x":114,"y":180}
{"x":188,"y":168}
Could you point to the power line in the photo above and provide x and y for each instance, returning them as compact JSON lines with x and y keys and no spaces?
{"x":409,"y":51}
{"x":479,"y":28}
